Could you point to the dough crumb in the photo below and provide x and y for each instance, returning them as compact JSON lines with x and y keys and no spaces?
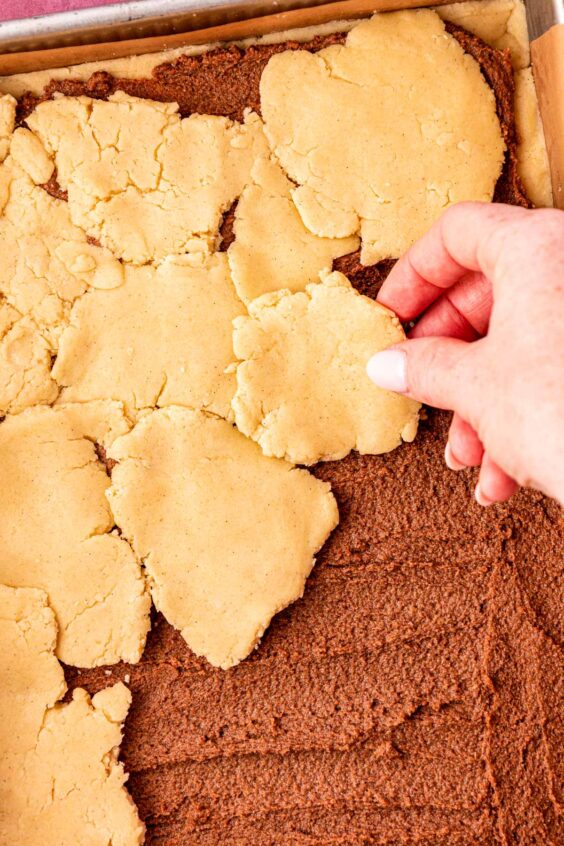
{"x":228,"y":536}
{"x":302,"y":389}
{"x":404,"y":84}
{"x":55,"y":531}
{"x":60,"y":778}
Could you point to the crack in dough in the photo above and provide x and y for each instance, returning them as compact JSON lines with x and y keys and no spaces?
{"x":414,"y":151}
{"x":272,"y":247}
{"x":60,"y":778}
{"x":143,"y":181}
{"x":56,"y":527}
{"x":302,"y":389}
{"x":227,"y":536}
{"x":163,"y":338}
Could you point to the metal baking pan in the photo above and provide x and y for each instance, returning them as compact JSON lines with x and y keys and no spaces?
{"x":138,"y":19}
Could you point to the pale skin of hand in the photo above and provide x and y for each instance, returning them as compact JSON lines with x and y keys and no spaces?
{"x":487,"y":284}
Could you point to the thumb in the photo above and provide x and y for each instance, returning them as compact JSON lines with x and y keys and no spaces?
{"x":442,"y":372}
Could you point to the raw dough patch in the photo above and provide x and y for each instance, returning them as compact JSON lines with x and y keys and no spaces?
{"x":500,"y":23}
{"x":163,"y":338}
{"x":30,"y":154}
{"x":60,"y":778}
{"x":55,"y":531}
{"x":7,"y":121}
{"x":534,"y":167}
{"x":46,"y":261}
{"x":228,"y":537}
{"x":140,"y":179}
{"x":302,"y":389}
{"x":404,"y":84}
{"x":25,"y":363}
{"x":272,"y":247}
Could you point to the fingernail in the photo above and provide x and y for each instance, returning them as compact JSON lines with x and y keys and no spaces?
{"x":451,"y":461}
{"x":388,"y":370}
{"x":480,"y":498}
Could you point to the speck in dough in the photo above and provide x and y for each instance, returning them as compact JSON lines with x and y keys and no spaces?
{"x":60,"y":778}
{"x":227,"y":536}
{"x":404,"y":84}
{"x":302,"y":389}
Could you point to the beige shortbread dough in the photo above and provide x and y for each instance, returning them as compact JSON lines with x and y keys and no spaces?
{"x":60,"y":779}
{"x":227,"y":536}
{"x":25,"y":363}
{"x":56,"y":531}
{"x":163,"y":338}
{"x":500,"y":23}
{"x":302,"y":389}
{"x":46,"y":261}
{"x":272,"y":247}
{"x":143,"y":181}
{"x":7,"y":120}
{"x":533,"y":163}
{"x":404,"y":85}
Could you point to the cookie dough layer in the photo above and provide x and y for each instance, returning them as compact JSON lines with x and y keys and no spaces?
{"x":60,"y":779}
{"x":56,"y":531}
{"x":302,"y":389}
{"x":396,"y":669}
{"x":227,"y":536}
{"x":163,"y":338}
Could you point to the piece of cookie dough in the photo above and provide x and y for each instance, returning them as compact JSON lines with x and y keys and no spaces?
{"x":227,"y":536}
{"x":143,"y":181}
{"x":56,"y":531}
{"x":25,"y":363}
{"x":7,"y":122}
{"x":534,"y":167}
{"x":404,"y":84}
{"x":47,"y":262}
{"x":60,"y":778}
{"x":272,"y":247}
{"x":500,"y":23}
{"x":302,"y":389}
{"x":163,"y":338}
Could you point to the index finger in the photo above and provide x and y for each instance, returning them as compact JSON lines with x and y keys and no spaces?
{"x":463,"y":239}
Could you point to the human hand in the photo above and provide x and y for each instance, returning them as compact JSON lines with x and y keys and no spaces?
{"x":488,"y":280}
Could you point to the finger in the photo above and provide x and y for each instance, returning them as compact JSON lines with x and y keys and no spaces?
{"x":466,"y":237}
{"x":462,"y":312}
{"x":494,"y":484}
{"x":464,"y":447}
{"x":442,"y":372}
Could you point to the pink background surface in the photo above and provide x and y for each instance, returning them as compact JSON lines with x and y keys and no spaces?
{"x":25,"y":8}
